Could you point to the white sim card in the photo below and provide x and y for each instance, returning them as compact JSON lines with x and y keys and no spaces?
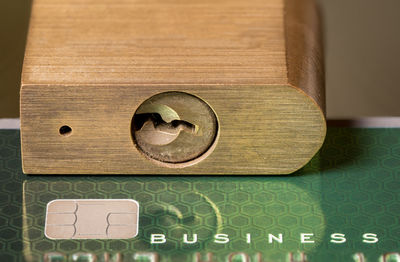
{"x":92,"y":219}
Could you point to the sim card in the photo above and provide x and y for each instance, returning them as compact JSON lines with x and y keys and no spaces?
{"x":92,"y":219}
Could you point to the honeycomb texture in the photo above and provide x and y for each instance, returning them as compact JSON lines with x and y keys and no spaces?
{"x":352,"y":187}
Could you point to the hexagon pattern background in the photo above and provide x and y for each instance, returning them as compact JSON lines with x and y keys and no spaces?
{"x":352,"y":187}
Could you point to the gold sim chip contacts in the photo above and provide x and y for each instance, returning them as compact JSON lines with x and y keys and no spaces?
{"x":92,"y":219}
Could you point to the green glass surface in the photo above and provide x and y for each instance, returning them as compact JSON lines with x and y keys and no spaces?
{"x":352,"y":186}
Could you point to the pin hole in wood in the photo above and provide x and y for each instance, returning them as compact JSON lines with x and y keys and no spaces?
{"x":65,"y":130}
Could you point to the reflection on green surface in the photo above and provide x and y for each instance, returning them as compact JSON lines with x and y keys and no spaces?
{"x":350,"y":188}
{"x":174,"y":206}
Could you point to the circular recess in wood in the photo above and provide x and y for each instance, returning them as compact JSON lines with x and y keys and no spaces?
{"x":175,"y":129}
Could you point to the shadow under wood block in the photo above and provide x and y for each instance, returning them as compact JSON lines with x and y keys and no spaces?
{"x":113,"y":87}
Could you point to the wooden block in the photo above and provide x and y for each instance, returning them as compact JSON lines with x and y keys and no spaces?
{"x":90,"y":64}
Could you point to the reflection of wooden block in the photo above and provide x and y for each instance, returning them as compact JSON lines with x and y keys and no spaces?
{"x":89,"y":64}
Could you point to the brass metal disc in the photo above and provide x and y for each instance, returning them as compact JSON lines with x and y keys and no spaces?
{"x":174,"y":127}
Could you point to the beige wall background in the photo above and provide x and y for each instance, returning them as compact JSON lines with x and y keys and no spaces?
{"x":362,"y":43}
{"x":362,"y":56}
{"x":14,"y":17}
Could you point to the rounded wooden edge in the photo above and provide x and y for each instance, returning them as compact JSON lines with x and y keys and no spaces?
{"x":323,"y":133}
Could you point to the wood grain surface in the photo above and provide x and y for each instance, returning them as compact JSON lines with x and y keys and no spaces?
{"x":89,"y":64}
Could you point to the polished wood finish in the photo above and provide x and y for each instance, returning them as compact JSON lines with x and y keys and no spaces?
{"x":89,"y":64}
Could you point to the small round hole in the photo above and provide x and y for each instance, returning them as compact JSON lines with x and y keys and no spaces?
{"x":65,"y":130}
